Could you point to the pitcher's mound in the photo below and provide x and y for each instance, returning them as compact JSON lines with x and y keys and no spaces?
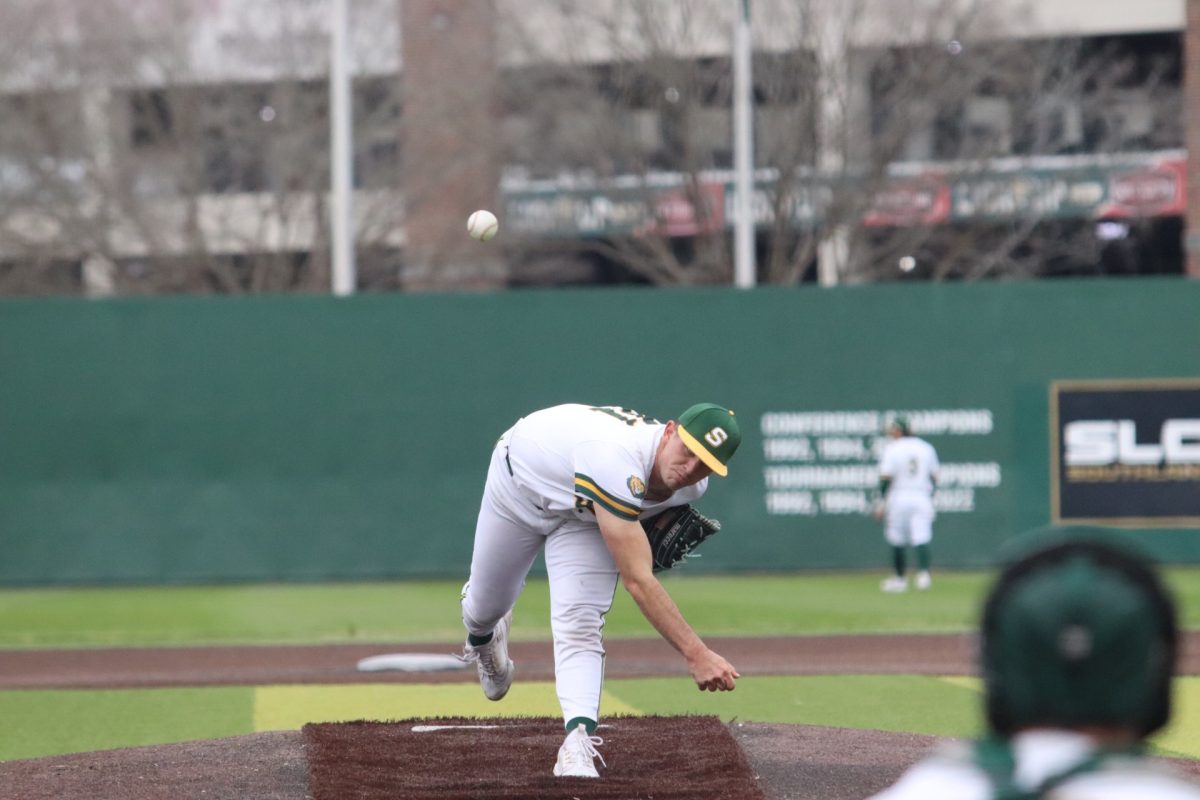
{"x":666,"y":758}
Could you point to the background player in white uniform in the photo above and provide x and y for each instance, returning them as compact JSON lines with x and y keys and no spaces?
{"x":908,"y":470}
{"x":575,"y":479}
{"x":1079,"y":641}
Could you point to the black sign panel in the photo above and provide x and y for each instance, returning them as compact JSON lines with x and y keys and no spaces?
{"x":1126,"y":453}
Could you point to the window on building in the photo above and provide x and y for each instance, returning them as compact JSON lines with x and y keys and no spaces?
{"x":667,"y":114}
{"x":986,"y":127}
{"x":713,"y":131}
{"x":151,"y":120}
{"x":1056,"y":126}
{"x":235,"y":138}
{"x":377,"y":112}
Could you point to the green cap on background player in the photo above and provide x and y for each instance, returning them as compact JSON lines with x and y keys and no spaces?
{"x":712,"y":433}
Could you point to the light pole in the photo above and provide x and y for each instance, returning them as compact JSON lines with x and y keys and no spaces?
{"x":341,"y":154}
{"x":744,"y":268}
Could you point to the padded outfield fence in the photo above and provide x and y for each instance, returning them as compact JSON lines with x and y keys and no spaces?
{"x":314,"y":438}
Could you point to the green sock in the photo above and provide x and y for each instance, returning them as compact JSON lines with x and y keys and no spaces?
{"x":898,"y":560}
{"x":589,"y":724}
{"x":476,"y":641}
{"x":923,"y":557}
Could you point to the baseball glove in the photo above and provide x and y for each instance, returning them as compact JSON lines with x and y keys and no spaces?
{"x":675,"y":532}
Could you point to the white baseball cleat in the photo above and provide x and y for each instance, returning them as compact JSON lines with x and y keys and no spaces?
{"x":924,"y":580}
{"x":492,"y":662}
{"x":894,"y":584}
{"x":576,"y":757}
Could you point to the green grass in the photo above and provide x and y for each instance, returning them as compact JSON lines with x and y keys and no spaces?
{"x":316,"y":613}
{"x":428,"y":610}
{"x":912,"y":703}
{"x":769,"y":605}
{"x":49,"y":722}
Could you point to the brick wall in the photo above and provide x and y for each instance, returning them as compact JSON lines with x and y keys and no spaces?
{"x":450,"y":153}
{"x":1191,"y":110}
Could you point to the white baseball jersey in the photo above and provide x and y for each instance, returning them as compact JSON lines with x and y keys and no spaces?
{"x":575,"y":455}
{"x":1038,"y":756}
{"x":911,"y":464}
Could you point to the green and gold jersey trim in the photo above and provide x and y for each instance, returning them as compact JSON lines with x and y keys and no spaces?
{"x":588,"y":488}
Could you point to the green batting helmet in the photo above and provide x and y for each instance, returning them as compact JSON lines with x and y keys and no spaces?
{"x":1079,"y":631}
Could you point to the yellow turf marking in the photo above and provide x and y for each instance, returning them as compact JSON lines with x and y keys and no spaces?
{"x":290,"y":707}
{"x":1181,"y":737}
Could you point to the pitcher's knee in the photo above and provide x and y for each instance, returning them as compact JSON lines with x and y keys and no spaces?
{"x":481,"y":618}
{"x":579,"y":627}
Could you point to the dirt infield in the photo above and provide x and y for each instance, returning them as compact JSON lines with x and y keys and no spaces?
{"x":627,"y":658}
{"x":790,"y":762}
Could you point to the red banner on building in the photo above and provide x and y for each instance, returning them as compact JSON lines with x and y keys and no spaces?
{"x":924,"y":200}
{"x":675,"y":214}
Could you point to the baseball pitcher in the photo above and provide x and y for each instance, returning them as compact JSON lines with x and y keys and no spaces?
{"x":605,"y":492}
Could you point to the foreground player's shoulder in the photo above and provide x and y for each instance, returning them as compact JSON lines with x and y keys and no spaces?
{"x":948,"y":773}
{"x":1135,"y":777}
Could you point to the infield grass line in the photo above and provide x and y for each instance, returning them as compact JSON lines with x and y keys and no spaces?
{"x":51,"y":722}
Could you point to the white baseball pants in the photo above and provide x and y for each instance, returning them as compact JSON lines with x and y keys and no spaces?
{"x":509,"y":532}
{"x":909,"y":519}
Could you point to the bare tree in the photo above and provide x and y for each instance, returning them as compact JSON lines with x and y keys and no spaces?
{"x":655,"y":99}
{"x":1050,"y":98}
{"x":858,"y":103}
{"x":138,"y":151}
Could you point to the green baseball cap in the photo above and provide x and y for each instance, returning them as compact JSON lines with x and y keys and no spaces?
{"x":712,"y":433}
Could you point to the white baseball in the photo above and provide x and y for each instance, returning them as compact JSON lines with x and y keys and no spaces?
{"x":482,"y":225}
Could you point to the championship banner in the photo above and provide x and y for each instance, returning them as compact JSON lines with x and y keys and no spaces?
{"x":1126,"y":453}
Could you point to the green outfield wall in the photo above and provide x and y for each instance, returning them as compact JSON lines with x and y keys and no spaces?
{"x":314,"y":438}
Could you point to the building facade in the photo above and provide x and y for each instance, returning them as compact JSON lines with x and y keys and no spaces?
{"x":186,"y":147}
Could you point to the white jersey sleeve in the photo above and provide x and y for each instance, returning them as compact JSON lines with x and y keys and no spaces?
{"x":611,"y":476}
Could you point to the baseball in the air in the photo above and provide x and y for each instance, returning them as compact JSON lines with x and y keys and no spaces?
{"x":482,"y":225}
